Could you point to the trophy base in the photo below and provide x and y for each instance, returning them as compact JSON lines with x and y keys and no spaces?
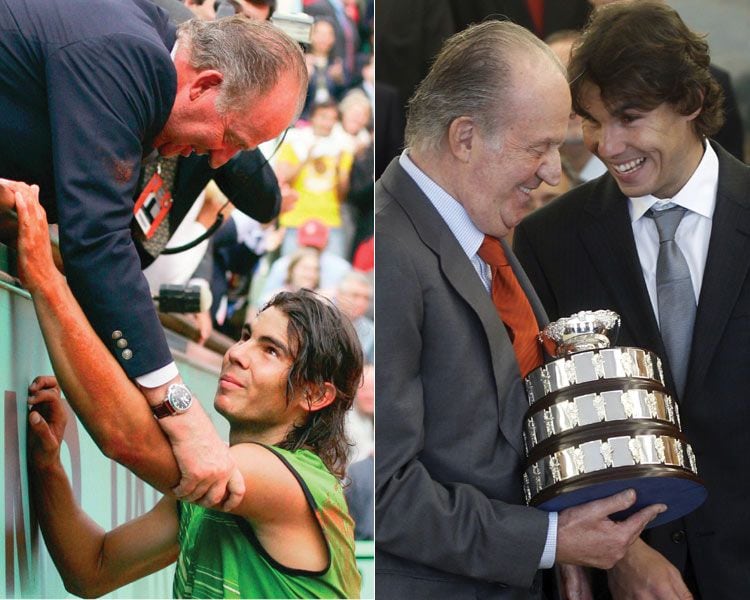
{"x":682,"y":493}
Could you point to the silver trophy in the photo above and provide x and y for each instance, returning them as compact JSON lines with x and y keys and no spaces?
{"x":601,"y":421}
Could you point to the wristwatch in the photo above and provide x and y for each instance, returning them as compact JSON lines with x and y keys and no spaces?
{"x":179,"y":399}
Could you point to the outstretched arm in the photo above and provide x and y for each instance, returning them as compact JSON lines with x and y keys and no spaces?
{"x":109,"y":405}
{"x":91,"y":561}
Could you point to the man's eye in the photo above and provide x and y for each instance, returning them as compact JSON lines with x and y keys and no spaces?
{"x":272,"y":351}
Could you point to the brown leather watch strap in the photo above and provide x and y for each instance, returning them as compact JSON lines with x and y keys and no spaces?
{"x":163,"y":410}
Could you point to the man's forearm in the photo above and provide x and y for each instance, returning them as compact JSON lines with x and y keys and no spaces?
{"x":110,"y":406}
{"x":72,"y":538}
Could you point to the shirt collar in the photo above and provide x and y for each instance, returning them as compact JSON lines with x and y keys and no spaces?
{"x":697,"y":195}
{"x":454,"y":215}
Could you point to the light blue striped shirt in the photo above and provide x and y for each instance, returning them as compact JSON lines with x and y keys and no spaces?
{"x":470,"y":239}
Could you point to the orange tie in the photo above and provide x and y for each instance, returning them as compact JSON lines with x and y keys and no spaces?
{"x":513,"y":306}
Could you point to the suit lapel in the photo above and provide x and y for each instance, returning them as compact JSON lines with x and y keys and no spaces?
{"x":607,"y":235}
{"x":461,"y":275}
{"x":726,"y":268}
{"x":536,"y":304}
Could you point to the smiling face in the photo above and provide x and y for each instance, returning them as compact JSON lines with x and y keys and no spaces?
{"x":500,"y":171}
{"x":252,"y":386}
{"x":196,"y":125}
{"x":647,"y":152}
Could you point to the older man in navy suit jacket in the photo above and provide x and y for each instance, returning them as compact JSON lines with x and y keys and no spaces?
{"x":87,"y":90}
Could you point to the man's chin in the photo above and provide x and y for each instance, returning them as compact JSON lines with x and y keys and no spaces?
{"x":167,"y":152}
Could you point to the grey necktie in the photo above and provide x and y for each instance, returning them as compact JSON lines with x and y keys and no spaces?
{"x":675,"y":295}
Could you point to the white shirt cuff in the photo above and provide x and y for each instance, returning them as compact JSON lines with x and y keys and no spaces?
{"x":550,"y":546}
{"x":154,"y":379}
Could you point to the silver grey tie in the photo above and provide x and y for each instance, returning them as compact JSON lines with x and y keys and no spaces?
{"x":675,"y":295}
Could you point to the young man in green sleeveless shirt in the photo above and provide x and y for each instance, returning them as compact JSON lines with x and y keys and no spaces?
{"x":284,"y":388}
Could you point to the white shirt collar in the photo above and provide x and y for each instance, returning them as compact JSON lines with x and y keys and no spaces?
{"x":697,"y":195}
{"x":450,"y":209}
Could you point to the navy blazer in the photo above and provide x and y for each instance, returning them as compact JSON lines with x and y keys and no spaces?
{"x":580,"y":253}
{"x":84,"y":89}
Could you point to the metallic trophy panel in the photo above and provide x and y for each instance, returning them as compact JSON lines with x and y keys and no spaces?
{"x":601,"y":421}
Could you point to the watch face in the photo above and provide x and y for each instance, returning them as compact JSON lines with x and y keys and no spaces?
{"x":179,"y":397}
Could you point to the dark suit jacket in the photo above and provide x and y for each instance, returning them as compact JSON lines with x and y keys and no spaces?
{"x":407,"y":38}
{"x":579,"y":253}
{"x":449,"y":516}
{"x":389,"y":125}
{"x":84,"y":89}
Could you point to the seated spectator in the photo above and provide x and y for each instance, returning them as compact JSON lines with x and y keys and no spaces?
{"x":360,"y":496}
{"x":325,"y":74}
{"x":303,"y":272}
{"x":360,"y":421}
{"x":356,"y":121}
{"x":356,"y":129}
{"x":354,"y":299}
{"x":347,"y":39}
{"x":236,"y":250}
{"x":312,"y":234}
{"x":314,"y":163}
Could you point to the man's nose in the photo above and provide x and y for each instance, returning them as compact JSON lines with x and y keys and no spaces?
{"x":609,"y":142}
{"x":550,"y":169}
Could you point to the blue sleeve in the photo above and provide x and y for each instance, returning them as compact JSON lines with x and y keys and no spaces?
{"x":106,"y":97}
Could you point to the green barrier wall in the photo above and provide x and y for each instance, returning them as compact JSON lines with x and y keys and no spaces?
{"x":109,"y":493}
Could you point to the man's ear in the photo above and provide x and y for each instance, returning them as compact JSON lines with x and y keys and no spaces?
{"x":461,"y":137}
{"x":318,"y":396}
{"x":205,"y":81}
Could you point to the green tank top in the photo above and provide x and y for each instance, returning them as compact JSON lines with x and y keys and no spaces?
{"x":220,"y":557}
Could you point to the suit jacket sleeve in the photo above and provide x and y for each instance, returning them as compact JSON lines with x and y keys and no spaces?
{"x":250,"y":184}
{"x":106,"y":96}
{"x":450,"y":526}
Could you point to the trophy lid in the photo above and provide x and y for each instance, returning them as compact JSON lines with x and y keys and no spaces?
{"x":584,"y":330}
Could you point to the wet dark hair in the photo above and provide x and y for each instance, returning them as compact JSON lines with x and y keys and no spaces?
{"x":641,"y":54}
{"x":325,"y":349}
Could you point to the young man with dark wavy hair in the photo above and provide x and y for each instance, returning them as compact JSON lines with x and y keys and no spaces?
{"x":662,"y":239}
{"x":284,"y":388}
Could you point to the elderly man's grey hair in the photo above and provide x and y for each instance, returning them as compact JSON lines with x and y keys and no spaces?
{"x":252,"y":56}
{"x":471,"y":76}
